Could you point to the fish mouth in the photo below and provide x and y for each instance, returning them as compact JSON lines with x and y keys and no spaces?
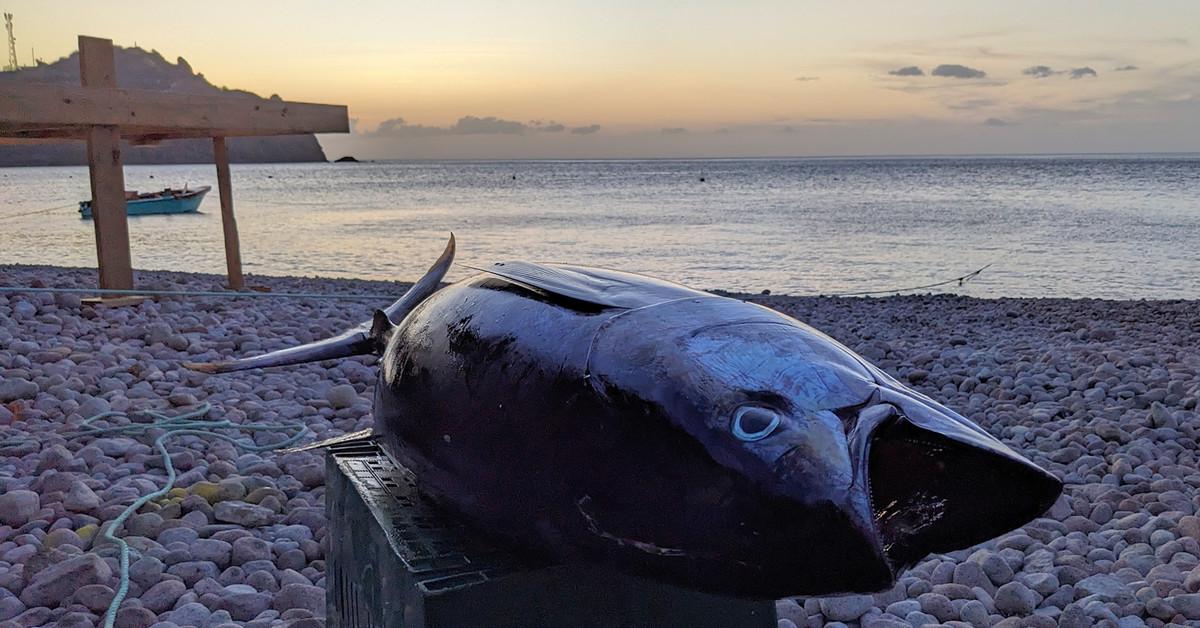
{"x":931,"y":494}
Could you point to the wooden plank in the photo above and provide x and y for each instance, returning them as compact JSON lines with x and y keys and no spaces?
{"x":20,"y":134}
{"x":97,"y":69}
{"x":59,"y":139}
{"x":233,"y":251}
{"x":50,"y":108}
{"x":97,"y":65}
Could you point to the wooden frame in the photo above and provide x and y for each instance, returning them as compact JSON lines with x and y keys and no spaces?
{"x":102,"y":114}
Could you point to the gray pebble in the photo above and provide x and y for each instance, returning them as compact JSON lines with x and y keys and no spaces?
{"x":996,"y":568}
{"x":249,"y":549}
{"x":243,"y":602}
{"x":242,"y":513}
{"x":162,"y":596}
{"x":192,"y":614}
{"x":937,"y":605}
{"x":14,"y":388}
{"x":56,"y":582}
{"x":96,"y":597}
{"x":1187,"y":604}
{"x":193,"y":571}
{"x":917,"y":618}
{"x":81,"y":498}
{"x":10,"y":607}
{"x":1104,"y":587}
{"x":212,"y":550}
{"x":341,"y":396}
{"x":312,"y":598}
{"x":1016,"y":599}
{"x":974,"y":613}
{"x":18,"y":507}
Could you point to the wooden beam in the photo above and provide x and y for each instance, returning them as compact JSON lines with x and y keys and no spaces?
{"x":97,"y":70}
{"x":32,"y":108}
{"x":97,"y":65}
{"x":26,"y":141}
{"x":18,"y":135}
{"x":233,"y":251}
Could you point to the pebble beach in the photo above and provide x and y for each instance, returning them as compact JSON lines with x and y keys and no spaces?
{"x":1101,"y":393}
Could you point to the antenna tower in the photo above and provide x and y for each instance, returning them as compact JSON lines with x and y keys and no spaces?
{"x":12,"y":44}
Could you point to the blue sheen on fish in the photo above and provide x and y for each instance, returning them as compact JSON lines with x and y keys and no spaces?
{"x":593,"y":415}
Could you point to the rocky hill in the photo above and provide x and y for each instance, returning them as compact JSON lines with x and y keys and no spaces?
{"x":139,"y":69}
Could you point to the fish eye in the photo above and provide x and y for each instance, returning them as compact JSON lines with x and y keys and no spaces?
{"x":751,"y":423}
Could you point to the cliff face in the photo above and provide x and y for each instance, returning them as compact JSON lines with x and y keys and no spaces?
{"x":139,"y":69}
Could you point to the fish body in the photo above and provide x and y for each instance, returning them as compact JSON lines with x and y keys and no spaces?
{"x":592,"y":415}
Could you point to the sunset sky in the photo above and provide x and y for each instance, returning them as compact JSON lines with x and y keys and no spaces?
{"x":630,"y":79}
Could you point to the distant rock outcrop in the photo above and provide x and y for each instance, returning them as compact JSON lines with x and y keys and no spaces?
{"x":348,"y":159}
{"x":139,"y":69}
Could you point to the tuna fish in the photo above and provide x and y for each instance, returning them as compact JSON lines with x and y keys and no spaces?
{"x":594,"y":415}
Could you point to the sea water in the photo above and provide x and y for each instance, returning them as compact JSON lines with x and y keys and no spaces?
{"x":1111,"y":226}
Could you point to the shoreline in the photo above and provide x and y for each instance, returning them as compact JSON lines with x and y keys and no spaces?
{"x":151,"y":277}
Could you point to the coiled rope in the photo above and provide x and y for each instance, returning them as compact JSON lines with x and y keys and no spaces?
{"x":187,"y":423}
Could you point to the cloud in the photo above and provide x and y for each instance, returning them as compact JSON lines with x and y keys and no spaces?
{"x":474,"y":125}
{"x":1126,"y":68}
{"x":996,"y":122}
{"x":805,"y":79}
{"x":1038,"y":71}
{"x":674,"y":131}
{"x":953,"y":70}
{"x":398,"y":127}
{"x":491,"y":125}
{"x":910,"y":70}
{"x":973,"y":103}
{"x":1043,"y":71}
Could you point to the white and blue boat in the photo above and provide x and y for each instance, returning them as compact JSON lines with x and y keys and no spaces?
{"x":168,"y":201}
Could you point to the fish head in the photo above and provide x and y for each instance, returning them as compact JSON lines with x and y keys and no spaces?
{"x":855,"y":476}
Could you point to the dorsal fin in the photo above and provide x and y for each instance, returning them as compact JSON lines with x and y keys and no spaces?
{"x":381,"y":330}
{"x":599,"y":286}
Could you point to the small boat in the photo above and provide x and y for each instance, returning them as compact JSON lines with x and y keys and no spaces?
{"x":167,"y":201}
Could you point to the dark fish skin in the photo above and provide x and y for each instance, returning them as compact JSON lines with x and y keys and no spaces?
{"x":601,"y":434}
{"x":592,"y":415}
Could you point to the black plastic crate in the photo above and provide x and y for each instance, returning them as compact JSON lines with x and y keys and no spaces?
{"x":396,"y":560}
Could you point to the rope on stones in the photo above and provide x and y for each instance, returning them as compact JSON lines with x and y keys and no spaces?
{"x":961,"y":280}
{"x":187,"y":423}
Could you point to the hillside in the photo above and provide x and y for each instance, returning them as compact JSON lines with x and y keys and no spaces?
{"x":139,"y":69}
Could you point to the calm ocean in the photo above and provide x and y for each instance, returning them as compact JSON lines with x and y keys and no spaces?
{"x":1094,"y":226}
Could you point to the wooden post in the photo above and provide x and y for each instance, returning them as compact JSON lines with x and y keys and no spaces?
{"x":97,"y":68}
{"x":233,"y":251}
